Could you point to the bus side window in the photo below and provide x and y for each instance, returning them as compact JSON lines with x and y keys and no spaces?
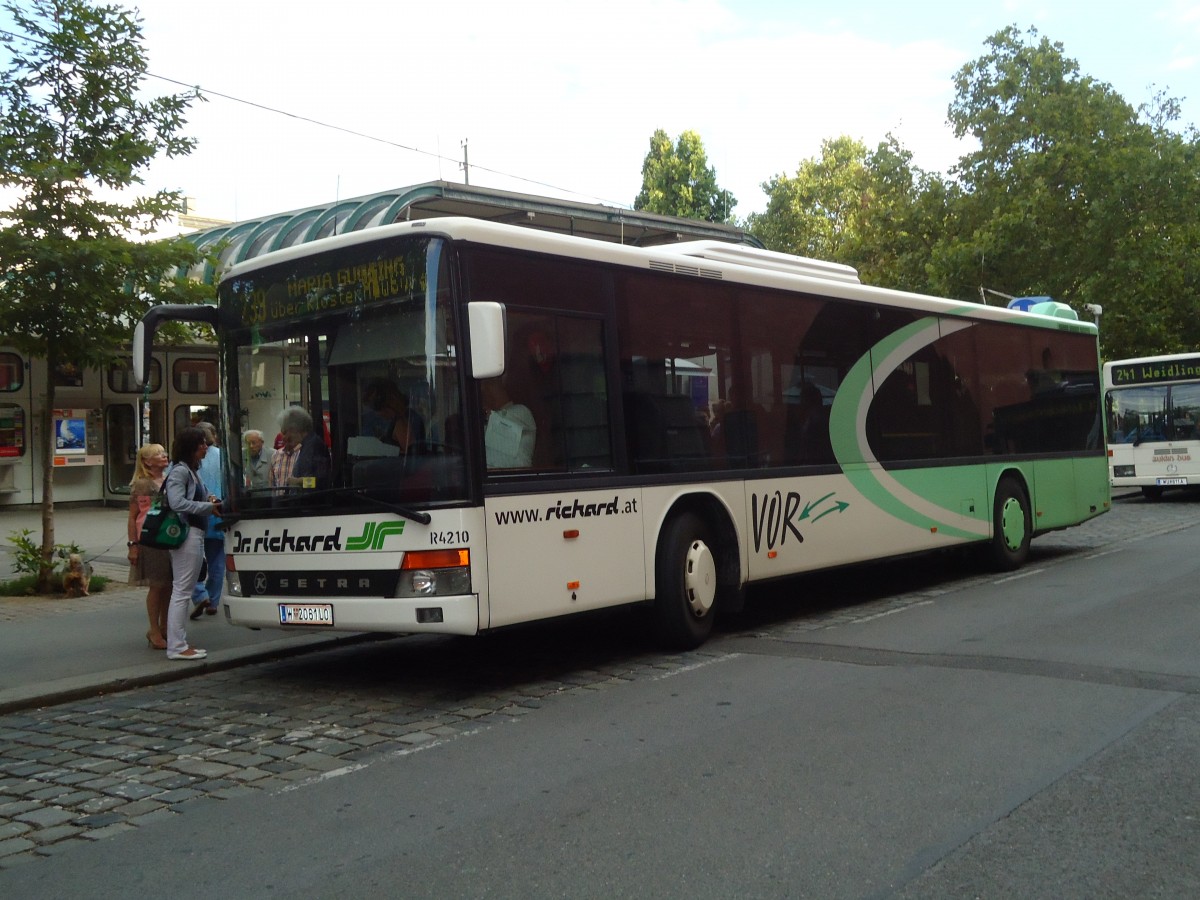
{"x":579,"y":436}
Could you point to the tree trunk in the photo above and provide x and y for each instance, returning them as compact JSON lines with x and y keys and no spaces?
{"x":46,"y":569}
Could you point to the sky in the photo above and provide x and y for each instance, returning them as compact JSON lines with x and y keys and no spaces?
{"x":561,"y":98}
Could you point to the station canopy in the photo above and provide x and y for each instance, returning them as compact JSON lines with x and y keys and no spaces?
{"x":245,"y":240}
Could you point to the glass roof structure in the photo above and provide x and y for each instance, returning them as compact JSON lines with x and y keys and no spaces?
{"x":244,"y":240}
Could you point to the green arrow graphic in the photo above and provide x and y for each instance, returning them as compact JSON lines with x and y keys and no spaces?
{"x":809,"y":508}
{"x":838,"y":506}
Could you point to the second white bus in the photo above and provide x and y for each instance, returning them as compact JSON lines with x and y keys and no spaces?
{"x":1153,"y":406}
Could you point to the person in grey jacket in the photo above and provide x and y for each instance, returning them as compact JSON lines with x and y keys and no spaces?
{"x":187,"y":496}
{"x":257,"y":461}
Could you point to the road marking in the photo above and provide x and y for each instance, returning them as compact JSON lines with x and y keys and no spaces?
{"x":891,"y":612}
{"x":403,"y":751}
{"x":1104,"y":553}
{"x":682,"y":670}
{"x":1018,"y":575}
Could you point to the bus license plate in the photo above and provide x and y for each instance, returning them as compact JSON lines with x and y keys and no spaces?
{"x":306,"y":614}
{"x":1167,"y":482}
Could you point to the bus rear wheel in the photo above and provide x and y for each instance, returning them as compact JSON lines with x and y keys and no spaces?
{"x":685,"y":583}
{"x":1012,"y":525}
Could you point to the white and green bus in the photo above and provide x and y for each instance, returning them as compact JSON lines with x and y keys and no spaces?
{"x":582,"y":425}
{"x":1153,"y":419}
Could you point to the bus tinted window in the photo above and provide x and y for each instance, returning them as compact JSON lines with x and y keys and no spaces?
{"x":676,"y":362}
{"x":554,"y":360}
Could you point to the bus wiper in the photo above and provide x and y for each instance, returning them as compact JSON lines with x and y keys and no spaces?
{"x":421,"y":518}
{"x":402,"y":511}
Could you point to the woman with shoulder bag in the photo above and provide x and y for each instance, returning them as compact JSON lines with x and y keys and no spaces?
{"x":148,"y":566}
{"x":186,"y":495}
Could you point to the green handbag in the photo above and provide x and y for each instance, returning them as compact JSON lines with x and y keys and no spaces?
{"x":163,"y":528}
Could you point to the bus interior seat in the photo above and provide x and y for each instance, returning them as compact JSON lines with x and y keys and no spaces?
{"x":739,"y":432}
{"x":583,"y":440}
{"x":665,"y":432}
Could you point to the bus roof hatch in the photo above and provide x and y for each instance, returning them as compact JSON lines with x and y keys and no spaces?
{"x":742,"y":255}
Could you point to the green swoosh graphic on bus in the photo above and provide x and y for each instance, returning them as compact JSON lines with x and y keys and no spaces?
{"x":374,"y":534}
{"x":848,"y":432}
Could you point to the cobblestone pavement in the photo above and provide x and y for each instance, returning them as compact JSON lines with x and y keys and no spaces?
{"x":86,"y":771}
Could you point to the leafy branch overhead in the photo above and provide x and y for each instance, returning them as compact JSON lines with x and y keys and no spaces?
{"x":75,"y":140}
{"x":76,"y":136}
{"x":1064,"y":189}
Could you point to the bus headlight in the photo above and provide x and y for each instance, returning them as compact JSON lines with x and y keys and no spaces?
{"x":1123,"y":472}
{"x":435,"y":573}
{"x":233,"y":583}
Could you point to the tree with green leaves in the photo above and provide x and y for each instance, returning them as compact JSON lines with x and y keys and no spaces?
{"x":903,"y":217}
{"x":678,"y":181}
{"x":75,"y":137}
{"x":1044,"y":134}
{"x":873,"y":210}
{"x":1075,"y":194}
{"x":816,"y":212}
{"x":1147,"y":276}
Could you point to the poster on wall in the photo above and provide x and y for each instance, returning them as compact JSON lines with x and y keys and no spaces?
{"x":70,"y":435}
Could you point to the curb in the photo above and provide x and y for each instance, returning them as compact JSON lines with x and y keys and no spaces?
{"x":82,"y":687}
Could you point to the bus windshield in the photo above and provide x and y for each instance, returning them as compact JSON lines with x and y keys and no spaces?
{"x":346,"y":362}
{"x":1161,"y":412}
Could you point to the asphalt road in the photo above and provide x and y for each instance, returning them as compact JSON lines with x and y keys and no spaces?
{"x":899,"y":731}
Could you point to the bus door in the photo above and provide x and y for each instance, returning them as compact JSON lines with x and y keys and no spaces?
{"x":551,"y":553}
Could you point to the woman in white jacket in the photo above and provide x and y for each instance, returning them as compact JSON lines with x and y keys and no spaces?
{"x":187,"y":496}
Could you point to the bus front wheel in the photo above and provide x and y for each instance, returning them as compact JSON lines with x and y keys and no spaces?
{"x":685,"y":583}
{"x":1012,"y":525}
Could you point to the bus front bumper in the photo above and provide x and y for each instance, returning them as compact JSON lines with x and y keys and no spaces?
{"x":433,"y":615}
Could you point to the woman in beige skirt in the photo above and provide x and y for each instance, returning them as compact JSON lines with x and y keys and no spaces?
{"x":149,"y":567}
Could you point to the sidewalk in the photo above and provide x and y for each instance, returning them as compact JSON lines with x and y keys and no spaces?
{"x":55,"y":650}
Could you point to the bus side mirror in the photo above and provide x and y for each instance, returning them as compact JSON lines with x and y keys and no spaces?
{"x":141,"y":354}
{"x":144,"y":331}
{"x":488,"y":332}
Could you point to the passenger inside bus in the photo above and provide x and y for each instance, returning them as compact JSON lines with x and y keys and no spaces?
{"x":806,"y":438}
{"x":510,"y":430}
{"x":256,"y":461}
{"x":740,"y":428}
{"x":304,"y":460}
{"x":394,"y":422}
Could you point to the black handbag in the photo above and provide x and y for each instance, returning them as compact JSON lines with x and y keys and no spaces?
{"x":163,"y":528}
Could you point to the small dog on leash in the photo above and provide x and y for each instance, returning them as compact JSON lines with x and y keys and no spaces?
{"x":77,"y":577}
